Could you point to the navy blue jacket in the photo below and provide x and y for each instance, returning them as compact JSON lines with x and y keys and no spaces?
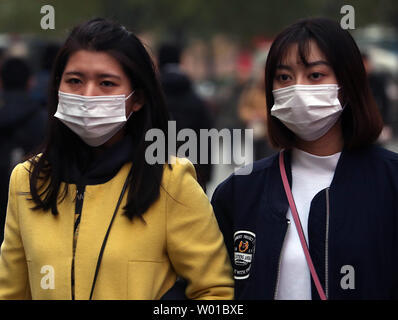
{"x":352,"y":227}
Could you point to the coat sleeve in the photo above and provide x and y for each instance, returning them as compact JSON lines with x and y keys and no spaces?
{"x":194,"y":241}
{"x":14,"y":282}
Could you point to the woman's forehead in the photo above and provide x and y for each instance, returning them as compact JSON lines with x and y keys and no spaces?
{"x":304,"y":54}
{"x":94,"y":61}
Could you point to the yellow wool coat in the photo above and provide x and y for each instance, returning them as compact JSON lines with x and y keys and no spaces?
{"x":141,"y":260}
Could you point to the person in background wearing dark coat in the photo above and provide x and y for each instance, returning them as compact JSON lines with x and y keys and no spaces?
{"x":185,"y":106}
{"x":42,"y":77}
{"x":22,"y":123}
{"x":378,"y":82}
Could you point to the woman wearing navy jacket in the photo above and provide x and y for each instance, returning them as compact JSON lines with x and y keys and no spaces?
{"x":319,"y":219}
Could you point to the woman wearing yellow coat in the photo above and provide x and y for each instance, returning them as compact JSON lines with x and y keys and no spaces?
{"x":90,"y":218}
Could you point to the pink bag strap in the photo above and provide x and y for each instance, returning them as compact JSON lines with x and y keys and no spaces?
{"x":299,"y":228}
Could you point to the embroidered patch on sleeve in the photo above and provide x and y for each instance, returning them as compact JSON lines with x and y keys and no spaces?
{"x":244,"y":244}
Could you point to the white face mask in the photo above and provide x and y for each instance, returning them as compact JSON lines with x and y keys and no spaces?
{"x":310,"y":111}
{"x":95,"y":119}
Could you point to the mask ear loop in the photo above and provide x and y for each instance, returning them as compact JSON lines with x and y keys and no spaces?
{"x":345,"y":104}
{"x":129,"y":115}
{"x":128,"y":97}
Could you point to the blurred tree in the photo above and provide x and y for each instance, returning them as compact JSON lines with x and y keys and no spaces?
{"x":185,"y":18}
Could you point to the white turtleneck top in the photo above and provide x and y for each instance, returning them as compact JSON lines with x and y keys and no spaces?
{"x":310,"y":174}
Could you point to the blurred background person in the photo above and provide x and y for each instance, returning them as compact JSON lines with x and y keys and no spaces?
{"x":186,"y":108}
{"x":41,"y":78}
{"x":378,"y":85}
{"x":22,"y":123}
{"x":230,"y":88}
{"x":253,"y":113}
{"x":2,"y":56}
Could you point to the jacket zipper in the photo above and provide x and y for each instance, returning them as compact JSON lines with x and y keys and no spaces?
{"x":280,"y":260}
{"x":78,"y":211}
{"x":327,"y":246}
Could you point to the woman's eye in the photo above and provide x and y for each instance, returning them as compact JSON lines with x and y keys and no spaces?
{"x":107,"y":84}
{"x":73,"y":81}
{"x":316,"y":75}
{"x":283,"y":77}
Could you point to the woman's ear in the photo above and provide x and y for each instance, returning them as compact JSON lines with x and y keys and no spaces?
{"x":137,"y":106}
{"x":136,"y":102}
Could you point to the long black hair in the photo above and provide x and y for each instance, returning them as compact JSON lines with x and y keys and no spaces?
{"x":361,"y":119}
{"x":62,"y":145}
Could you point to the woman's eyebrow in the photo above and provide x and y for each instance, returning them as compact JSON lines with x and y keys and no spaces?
{"x":308,"y":64}
{"x":283,"y":66}
{"x":317,"y":63}
{"x":109,"y":75}
{"x":74,"y":73}
{"x":101,"y":75}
